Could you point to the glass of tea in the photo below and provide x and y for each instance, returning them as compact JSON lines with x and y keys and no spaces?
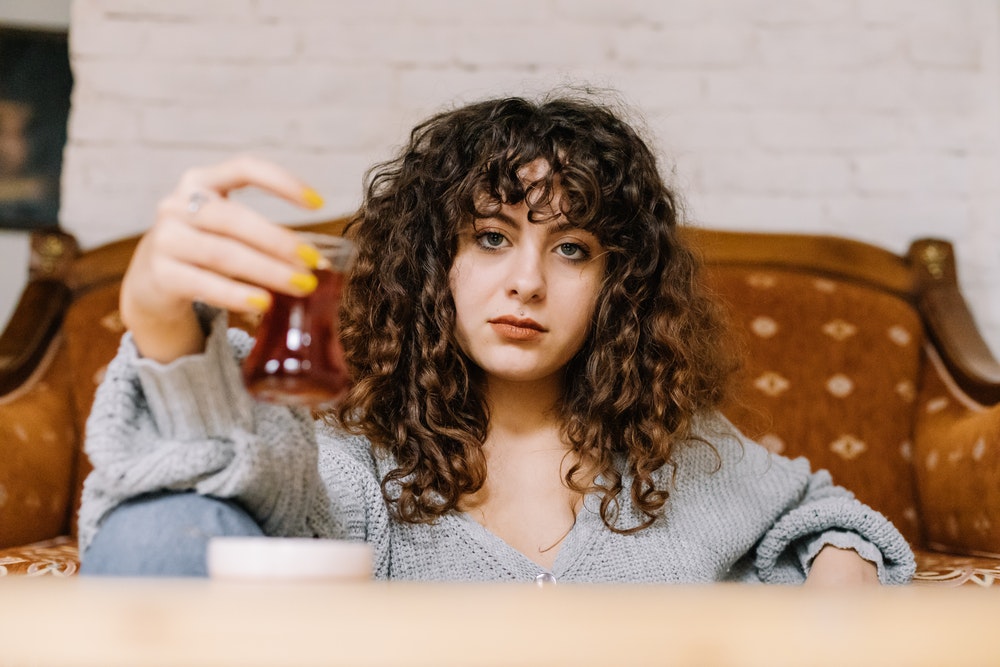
{"x":297,"y":358}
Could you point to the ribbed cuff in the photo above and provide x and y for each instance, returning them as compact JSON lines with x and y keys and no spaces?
{"x":197,"y":396}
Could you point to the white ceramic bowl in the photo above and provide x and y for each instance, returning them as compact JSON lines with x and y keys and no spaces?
{"x":288,"y":559}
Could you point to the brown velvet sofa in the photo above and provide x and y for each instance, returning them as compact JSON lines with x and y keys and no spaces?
{"x":866,"y":362}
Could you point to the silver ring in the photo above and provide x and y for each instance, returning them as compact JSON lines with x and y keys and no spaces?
{"x":196,"y":201}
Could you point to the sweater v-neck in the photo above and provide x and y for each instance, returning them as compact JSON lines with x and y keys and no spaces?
{"x":583,"y":536}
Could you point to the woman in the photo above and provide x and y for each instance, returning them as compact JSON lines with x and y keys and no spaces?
{"x":537,"y":372}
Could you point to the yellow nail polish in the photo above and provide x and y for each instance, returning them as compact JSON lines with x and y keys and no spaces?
{"x":304,"y":281}
{"x":259,"y":302}
{"x":309,"y":255}
{"x":312,"y":198}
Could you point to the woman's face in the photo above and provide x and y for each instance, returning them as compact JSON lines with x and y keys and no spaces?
{"x":525,"y":291}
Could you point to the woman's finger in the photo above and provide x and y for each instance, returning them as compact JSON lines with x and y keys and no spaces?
{"x":248,"y":170}
{"x":224,"y":217}
{"x":234,"y":259}
{"x":193,"y":283}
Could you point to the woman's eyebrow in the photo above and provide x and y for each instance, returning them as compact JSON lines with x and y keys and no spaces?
{"x":504,"y":218}
{"x":498,"y":216}
{"x":563,"y":225}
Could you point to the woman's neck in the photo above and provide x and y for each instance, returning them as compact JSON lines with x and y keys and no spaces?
{"x":520,"y":408}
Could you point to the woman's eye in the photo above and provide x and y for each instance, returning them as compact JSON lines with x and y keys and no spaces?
{"x":572,"y":251}
{"x":491,"y":239}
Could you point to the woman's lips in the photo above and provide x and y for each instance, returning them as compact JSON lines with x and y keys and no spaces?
{"x":520,"y":329}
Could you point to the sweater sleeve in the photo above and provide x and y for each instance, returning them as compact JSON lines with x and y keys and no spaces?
{"x":830,"y":515}
{"x":190,"y":425}
{"x":800,"y":511}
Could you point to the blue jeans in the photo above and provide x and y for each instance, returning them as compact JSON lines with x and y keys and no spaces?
{"x":163,"y":535}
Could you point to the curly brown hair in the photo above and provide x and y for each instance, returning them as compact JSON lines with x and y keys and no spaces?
{"x":655,"y":356}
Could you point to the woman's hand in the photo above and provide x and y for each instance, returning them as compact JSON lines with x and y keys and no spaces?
{"x":841,"y":567}
{"x":205,"y":247}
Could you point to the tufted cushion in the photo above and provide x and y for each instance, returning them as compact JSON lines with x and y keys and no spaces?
{"x":831,"y":374}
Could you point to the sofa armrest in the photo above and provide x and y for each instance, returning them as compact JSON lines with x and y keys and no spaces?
{"x":957,"y":465}
{"x":38,"y":436}
{"x":39,"y":311}
{"x":32,"y":327}
{"x":950,"y":323}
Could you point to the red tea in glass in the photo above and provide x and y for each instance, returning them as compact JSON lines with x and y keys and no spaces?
{"x":297,"y":358}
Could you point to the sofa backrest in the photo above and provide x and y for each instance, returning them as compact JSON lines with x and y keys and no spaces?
{"x":831,"y":373}
{"x":871,"y":366}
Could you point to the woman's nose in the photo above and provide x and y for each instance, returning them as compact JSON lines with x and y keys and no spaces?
{"x":526,"y":280}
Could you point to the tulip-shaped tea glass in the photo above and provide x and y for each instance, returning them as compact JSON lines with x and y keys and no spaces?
{"x":297,"y":358}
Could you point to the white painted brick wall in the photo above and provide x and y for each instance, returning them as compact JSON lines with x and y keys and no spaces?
{"x":877,"y":119}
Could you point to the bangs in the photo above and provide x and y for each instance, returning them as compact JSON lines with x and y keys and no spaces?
{"x":501,"y":180}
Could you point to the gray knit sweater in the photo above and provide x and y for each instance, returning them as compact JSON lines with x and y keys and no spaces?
{"x":189,"y":425}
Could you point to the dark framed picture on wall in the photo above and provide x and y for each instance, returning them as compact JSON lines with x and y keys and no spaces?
{"x":35,"y":87}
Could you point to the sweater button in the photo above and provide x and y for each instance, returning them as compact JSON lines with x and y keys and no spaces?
{"x":545,"y":579}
